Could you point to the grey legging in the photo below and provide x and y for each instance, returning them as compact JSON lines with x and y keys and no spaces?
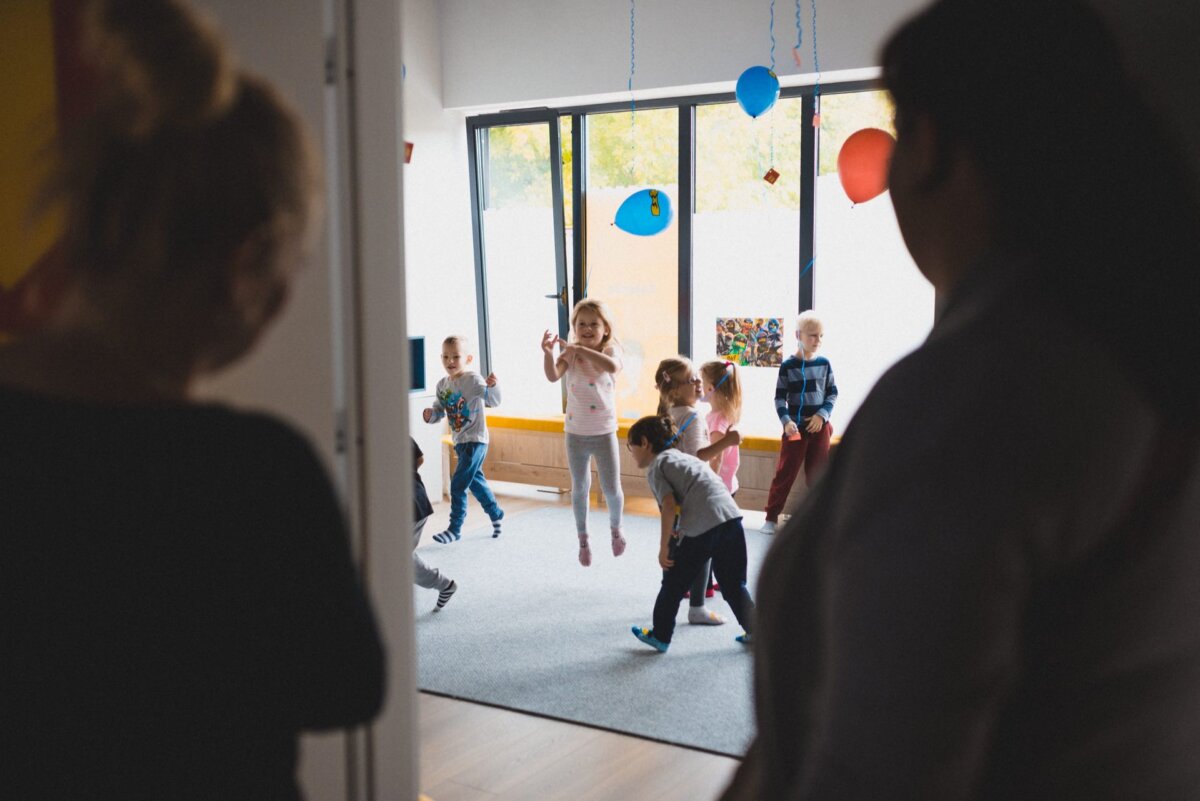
{"x":580,"y":450}
{"x":423,"y":574}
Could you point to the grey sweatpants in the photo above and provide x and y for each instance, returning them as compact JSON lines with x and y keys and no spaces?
{"x":424,"y":575}
{"x":580,"y":450}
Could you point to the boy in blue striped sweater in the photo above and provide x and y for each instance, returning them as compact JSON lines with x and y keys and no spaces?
{"x":804,"y":396}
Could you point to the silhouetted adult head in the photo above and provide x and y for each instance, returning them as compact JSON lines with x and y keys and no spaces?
{"x":1023,"y":112}
{"x":186,"y":194}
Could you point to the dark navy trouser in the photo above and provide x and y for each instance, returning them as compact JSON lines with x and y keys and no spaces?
{"x":726,"y":546}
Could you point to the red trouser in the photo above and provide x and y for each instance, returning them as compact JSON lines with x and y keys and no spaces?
{"x":810,"y":450}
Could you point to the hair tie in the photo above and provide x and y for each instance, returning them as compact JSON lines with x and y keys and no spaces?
{"x":666,"y":377}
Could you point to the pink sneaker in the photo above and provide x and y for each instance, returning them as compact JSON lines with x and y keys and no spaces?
{"x":618,"y":542}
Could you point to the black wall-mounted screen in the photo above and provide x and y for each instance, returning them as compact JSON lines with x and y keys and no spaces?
{"x":416,"y":358}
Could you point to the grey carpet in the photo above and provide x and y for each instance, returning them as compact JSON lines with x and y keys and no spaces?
{"x":532,"y":630}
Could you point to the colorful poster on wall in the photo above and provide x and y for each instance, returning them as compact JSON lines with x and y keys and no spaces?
{"x":751,"y":341}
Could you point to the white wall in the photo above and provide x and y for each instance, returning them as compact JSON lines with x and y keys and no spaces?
{"x":300,"y":372}
{"x":513,"y":53}
{"x":291,"y":373}
{"x":383,"y":451}
{"x":439,"y":257}
{"x":519,"y":52}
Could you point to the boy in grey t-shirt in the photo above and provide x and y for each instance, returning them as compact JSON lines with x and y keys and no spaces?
{"x":710,"y":527}
{"x":461,"y":398}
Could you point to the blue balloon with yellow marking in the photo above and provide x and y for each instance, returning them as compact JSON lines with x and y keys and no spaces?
{"x":757,"y":90}
{"x":645,"y":213}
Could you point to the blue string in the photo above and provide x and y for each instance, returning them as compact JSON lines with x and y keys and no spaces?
{"x":816,"y":58}
{"x":810,"y":264}
{"x":632,"y":101}
{"x":799,"y":29}
{"x":692,"y":416}
{"x":772,"y":35}
{"x":772,"y":164}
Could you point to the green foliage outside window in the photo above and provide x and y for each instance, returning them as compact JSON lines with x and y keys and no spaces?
{"x":732,"y":151}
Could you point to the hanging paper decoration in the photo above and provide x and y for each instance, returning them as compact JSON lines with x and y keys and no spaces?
{"x":862,"y":163}
{"x":645,"y":213}
{"x":757,"y":90}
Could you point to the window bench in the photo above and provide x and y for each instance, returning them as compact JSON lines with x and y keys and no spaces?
{"x":530,"y":450}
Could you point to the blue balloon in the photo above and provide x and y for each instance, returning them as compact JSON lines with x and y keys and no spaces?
{"x":645,"y":213}
{"x":757,"y":90}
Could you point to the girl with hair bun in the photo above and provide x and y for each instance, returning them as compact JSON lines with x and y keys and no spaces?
{"x":707,"y":529}
{"x":179,"y":594}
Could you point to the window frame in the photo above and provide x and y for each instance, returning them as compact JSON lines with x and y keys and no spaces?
{"x":685,"y":203}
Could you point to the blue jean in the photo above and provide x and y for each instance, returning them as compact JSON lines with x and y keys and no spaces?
{"x":468,"y":475}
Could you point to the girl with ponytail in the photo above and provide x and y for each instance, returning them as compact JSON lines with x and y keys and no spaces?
{"x":180,"y":598}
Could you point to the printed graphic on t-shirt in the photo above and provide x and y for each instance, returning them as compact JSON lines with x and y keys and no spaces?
{"x":458,"y":411}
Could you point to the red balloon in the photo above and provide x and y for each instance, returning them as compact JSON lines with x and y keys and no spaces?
{"x":862,"y":164}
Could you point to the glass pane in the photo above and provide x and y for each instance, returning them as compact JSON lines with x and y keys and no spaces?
{"x":746,"y":247}
{"x":568,"y":162}
{"x":637,"y":276}
{"x":876,"y":306}
{"x":518,"y":246}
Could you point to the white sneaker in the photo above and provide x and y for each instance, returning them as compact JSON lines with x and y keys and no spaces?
{"x":767,"y":527}
{"x":703,"y":616}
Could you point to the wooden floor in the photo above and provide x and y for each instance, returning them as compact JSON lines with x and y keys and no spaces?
{"x":472,"y":752}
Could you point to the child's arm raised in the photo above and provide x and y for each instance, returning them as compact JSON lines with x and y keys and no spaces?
{"x":729,"y":439}
{"x":667,"y":511}
{"x":555,"y":368}
{"x":491,"y":393}
{"x":607,"y":360}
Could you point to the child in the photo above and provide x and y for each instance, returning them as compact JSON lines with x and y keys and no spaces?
{"x":461,"y":397}
{"x":723,"y":392}
{"x":804,"y":394}
{"x":590,"y":363}
{"x":679,"y":392}
{"x":710,"y":528}
{"x":423,"y":574}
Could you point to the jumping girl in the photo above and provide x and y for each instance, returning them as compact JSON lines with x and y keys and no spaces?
{"x":589,"y":363}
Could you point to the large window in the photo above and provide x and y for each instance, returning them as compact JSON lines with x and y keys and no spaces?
{"x":875,"y":305}
{"x":744,"y":250}
{"x":520,"y":253}
{"x":746,"y":245}
{"x":637,"y":276}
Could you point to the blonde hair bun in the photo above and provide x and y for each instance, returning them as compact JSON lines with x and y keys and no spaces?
{"x":161,"y":64}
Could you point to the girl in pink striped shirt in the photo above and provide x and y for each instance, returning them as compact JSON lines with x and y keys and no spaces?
{"x":589,"y":362}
